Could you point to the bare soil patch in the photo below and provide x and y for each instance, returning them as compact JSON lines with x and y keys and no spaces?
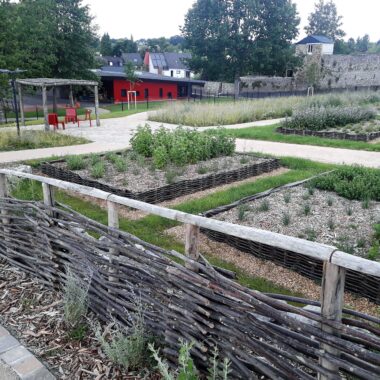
{"x":34,"y":314}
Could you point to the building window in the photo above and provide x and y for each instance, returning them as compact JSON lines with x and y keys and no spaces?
{"x":187,"y":74}
{"x":161,"y":92}
{"x":146,"y":93}
{"x":137,"y":94}
{"x":171,"y":73}
{"x":170,"y":96}
{"x":110,"y":63}
{"x":310,"y":49}
{"x":123,"y":93}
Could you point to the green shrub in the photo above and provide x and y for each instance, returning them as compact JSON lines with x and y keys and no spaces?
{"x":98,"y":170}
{"x":352,"y":183}
{"x":112,"y":157}
{"x":75,"y":293}
{"x":181,"y":146}
{"x":120,"y":164}
{"x":264,"y":206}
{"x":285,"y":218}
{"x":75,"y":163}
{"x":94,"y":158}
{"x":320,"y":118}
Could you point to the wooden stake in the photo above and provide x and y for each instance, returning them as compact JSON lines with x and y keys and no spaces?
{"x":96,"y":92}
{"x":21,"y":104}
{"x":192,"y":243}
{"x":113,"y":221}
{"x":332,"y":293}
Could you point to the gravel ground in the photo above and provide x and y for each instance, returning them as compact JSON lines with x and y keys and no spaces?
{"x":140,"y":176}
{"x":345,"y":224}
{"x":278,"y":275}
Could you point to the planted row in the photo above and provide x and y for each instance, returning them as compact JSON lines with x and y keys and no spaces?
{"x":320,"y":118}
{"x":181,"y":146}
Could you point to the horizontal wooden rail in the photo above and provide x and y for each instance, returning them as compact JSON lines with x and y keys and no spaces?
{"x":304,"y":247}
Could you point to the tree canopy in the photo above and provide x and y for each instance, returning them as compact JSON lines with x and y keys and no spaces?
{"x":230,"y":38}
{"x":324,"y":20}
{"x":48,"y":38}
{"x":105,"y":45}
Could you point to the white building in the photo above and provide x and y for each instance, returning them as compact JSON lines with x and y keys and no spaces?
{"x":168,"y":64}
{"x":315,"y":44}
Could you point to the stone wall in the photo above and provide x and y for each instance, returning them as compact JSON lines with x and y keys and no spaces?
{"x":350,"y":71}
{"x":215,"y":88}
{"x":263,"y":84}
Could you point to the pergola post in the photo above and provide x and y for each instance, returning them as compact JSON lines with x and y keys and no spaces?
{"x":96,"y":92}
{"x":71,"y":97}
{"x":55,"y":99}
{"x":19,"y":85}
{"x":45,"y":108}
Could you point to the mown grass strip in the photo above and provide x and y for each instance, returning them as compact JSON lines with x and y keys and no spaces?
{"x":268,"y":133}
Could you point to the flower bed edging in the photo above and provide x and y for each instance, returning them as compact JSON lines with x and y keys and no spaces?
{"x":330,"y":134}
{"x":170,"y":191}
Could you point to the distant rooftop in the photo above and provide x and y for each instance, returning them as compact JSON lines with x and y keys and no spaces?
{"x":315,"y":39}
{"x":134,"y":58}
{"x":170,"y":60}
{"x":118,"y":72}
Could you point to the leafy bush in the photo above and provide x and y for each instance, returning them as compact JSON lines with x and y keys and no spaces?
{"x":352,"y":183}
{"x":75,"y":163}
{"x":181,"y":146}
{"x":74,"y":299}
{"x":125,"y":346}
{"x":320,"y":118}
{"x":186,"y":367}
{"x":120,"y":164}
{"x":98,"y":170}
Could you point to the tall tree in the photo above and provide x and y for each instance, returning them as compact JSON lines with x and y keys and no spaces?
{"x":363,"y":44}
{"x":124,"y":45}
{"x":105,"y":45}
{"x":324,"y":20}
{"x":74,"y":39}
{"x":230,"y":38}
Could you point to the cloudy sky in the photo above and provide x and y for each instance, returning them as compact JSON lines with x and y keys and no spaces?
{"x":156,"y":18}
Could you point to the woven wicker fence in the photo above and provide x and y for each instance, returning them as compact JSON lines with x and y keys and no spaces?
{"x":356,"y":282}
{"x":260,"y":335}
{"x":170,"y":191}
{"x":330,"y":134}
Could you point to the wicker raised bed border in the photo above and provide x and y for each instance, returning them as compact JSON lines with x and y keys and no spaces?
{"x":170,"y":191}
{"x":330,"y":135}
{"x":357,"y":283}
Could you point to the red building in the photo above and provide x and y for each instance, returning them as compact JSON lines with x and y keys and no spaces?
{"x":152,"y":87}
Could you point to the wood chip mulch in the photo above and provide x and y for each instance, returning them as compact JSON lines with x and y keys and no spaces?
{"x":34,"y":315}
{"x":276,"y":274}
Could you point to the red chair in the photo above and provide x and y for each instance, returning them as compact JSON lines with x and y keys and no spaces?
{"x":71,"y":116}
{"x":53,"y":120}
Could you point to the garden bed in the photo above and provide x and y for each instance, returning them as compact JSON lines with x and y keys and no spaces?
{"x":311,"y":214}
{"x":142,"y":182}
{"x":331,"y":134}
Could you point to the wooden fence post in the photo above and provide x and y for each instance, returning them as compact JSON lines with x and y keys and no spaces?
{"x":192,"y":244}
{"x":48,"y":192}
{"x":113,"y":221}
{"x":332,"y":294}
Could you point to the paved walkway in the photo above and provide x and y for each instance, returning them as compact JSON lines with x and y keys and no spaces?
{"x":115,"y":134}
{"x":16,"y":362}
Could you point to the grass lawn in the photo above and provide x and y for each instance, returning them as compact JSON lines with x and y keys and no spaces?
{"x":151,"y":228}
{"x":268,"y":133}
{"x":9,"y":141}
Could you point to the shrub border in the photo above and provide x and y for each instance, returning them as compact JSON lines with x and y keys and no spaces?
{"x":358,"y":283}
{"x":330,"y":135}
{"x":170,"y":191}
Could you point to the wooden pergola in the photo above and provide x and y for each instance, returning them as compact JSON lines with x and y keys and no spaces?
{"x":48,"y":83}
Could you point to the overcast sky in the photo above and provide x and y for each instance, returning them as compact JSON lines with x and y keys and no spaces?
{"x":157,"y":18}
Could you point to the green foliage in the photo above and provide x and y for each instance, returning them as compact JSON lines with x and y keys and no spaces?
{"x":75,"y":162}
{"x":98,"y":170}
{"x":242,"y":209}
{"x":330,"y":201}
{"x":374,"y":252}
{"x":331,"y":224}
{"x":130,"y":74}
{"x":181,"y":146}
{"x":352,"y":182}
{"x":321,"y":118}
{"x":286,"y":219}
{"x":264,"y":206}
{"x":311,"y":234}
{"x":231,"y":38}
{"x":125,"y":346}
{"x":325,"y":21}
{"x":186,"y":367}
{"x":74,"y":300}
{"x":94,"y":159}
{"x":306,"y":209}
{"x":105,"y":45}
{"x":120,"y":165}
